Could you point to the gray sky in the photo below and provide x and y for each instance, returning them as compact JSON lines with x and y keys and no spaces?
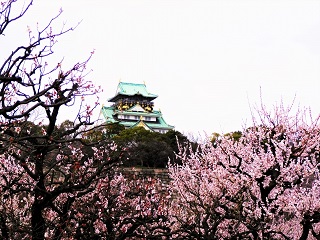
{"x":207,"y":60}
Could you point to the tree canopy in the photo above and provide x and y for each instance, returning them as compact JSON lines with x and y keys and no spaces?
{"x":54,"y":184}
{"x":149,"y":149}
{"x":264,"y":185}
{"x":62,"y":180}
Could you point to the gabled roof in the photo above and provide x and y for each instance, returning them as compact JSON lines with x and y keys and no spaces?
{"x":136,"y":108}
{"x":131,"y":89}
{"x":142,"y":124}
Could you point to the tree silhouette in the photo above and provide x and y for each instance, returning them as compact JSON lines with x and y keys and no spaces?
{"x":48,"y":171}
{"x":262,"y":185}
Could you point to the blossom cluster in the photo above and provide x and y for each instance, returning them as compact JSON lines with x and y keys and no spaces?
{"x":264,"y":185}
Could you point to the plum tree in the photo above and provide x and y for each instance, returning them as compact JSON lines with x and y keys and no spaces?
{"x":264,"y":185}
{"x":53,"y":183}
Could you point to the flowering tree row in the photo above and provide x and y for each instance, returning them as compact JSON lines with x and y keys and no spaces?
{"x":264,"y":185}
{"x":54,"y":184}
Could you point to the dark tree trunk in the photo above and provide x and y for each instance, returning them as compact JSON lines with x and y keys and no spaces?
{"x":4,"y":229}
{"x":37,"y":221}
{"x":306,"y":225}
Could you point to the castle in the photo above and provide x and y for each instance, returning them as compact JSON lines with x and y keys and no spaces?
{"x":133,"y":106}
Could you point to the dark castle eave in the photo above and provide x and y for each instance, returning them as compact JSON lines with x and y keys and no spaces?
{"x":122,"y":96}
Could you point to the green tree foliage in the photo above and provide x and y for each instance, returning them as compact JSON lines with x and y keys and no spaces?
{"x":104,"y":132}
{"x":232,"y":135}
{"x":149,"y":149}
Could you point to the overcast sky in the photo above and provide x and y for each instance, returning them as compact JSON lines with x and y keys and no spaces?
{"x":207,"y":60}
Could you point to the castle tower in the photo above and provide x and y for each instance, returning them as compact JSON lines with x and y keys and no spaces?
{"x":133,"y":106}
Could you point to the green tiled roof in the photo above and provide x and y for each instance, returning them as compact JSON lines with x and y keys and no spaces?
{"x":162,"y":122}
{"x":149,"y":124}
{"x":144,"y":114}
{"x":109,"y":112}
{"x":131,"y":89}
